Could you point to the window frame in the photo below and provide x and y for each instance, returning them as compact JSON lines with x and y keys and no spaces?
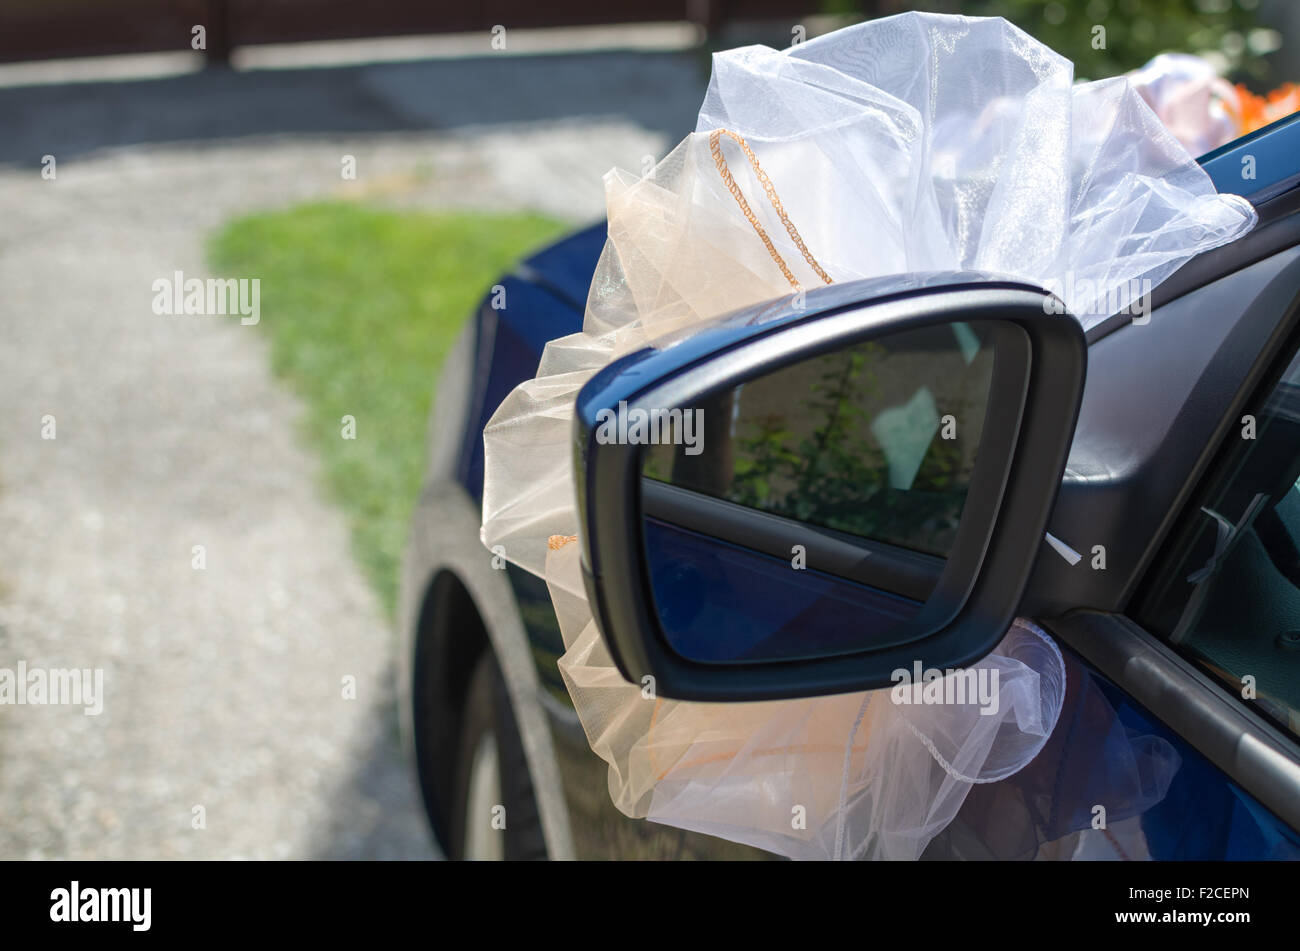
{"x":1225,"y":459}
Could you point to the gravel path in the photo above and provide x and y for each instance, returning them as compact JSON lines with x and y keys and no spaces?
{"x":223,"y":686}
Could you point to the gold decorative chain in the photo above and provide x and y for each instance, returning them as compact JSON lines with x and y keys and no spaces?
{"x":715,"y":147}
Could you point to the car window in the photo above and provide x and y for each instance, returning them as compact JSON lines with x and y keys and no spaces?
{"x":1226,"y":590}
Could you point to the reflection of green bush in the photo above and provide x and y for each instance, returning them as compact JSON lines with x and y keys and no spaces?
{"x":1136,"y":30}
{"x":836,"y":475}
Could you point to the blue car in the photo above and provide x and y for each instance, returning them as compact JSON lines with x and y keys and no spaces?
{"x":1168,"y":573}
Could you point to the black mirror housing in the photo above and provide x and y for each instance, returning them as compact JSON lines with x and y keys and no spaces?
{"x":1034,"y":391}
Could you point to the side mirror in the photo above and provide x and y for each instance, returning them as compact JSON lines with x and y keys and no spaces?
{"x":793,"y":503}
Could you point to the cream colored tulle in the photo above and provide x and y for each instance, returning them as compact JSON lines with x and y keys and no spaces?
{"x":911,"y":144}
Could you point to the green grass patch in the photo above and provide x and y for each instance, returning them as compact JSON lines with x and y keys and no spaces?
{"x":361,"y":305}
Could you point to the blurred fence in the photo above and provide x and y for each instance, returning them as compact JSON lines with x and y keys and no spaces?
{"x":44,"y":29}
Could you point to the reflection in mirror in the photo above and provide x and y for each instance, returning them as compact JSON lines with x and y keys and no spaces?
{"x":857,"y":462}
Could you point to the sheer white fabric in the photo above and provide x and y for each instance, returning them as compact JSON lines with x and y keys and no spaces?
{"x":914,"y":143}
{"x":1200,"y":108}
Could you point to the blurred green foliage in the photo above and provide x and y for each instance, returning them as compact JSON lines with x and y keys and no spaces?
{"x":1228,"y":32}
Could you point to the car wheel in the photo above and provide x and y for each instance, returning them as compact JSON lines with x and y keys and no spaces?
{"x":496,"y":815}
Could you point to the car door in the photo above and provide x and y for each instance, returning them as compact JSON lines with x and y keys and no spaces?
{"x":1214,"y":627}
{"x":1179,"y":734}
{"x":1227,"y":767}
{"x":1208,"y":651}
{"x":1177,"y":606}
{"x":1203,"y":649}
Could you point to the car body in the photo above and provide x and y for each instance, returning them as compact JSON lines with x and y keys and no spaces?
{"x":1158,"y":445}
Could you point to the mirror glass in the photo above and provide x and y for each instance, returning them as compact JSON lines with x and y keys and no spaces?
{"x":809,"y":511}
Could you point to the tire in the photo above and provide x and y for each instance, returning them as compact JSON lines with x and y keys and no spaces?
{"x":491,"y":772}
